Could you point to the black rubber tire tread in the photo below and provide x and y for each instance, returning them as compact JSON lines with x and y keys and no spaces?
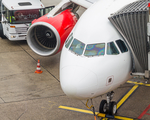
{"x":1,"y":31}
{"x":101,"y":107}
{"x":111,"y":108}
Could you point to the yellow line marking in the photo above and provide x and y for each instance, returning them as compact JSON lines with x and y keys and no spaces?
{"x":124,"y":118}
{"x":76,"y":109}
{"x":90,"y":112}
{"x":105,"y":119}
{"x":136,"y":83}
{"x":127,"y":96}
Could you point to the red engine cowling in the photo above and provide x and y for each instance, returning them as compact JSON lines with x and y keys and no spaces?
{"x":47,"y":35}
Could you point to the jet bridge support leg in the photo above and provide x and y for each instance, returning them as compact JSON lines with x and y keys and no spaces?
{"x":147,"y":73}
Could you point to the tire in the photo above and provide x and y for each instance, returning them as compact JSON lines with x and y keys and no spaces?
{"x":103,"y":106}
{"x":1,"y":31}
{"x":112,"y":108}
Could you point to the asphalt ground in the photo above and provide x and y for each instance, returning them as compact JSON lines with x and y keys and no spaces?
{"x":25,"y":95}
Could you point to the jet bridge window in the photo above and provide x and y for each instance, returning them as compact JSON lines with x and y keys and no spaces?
{"x":112,"y":49}
{"x":95,"y":49}
{"x":77,"y":47}
{"x":121,"y":46}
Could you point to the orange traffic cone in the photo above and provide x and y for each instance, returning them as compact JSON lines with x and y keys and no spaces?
{"x":38,"y":69}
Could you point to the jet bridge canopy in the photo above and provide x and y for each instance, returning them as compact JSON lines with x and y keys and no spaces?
{"x":131,"y":21}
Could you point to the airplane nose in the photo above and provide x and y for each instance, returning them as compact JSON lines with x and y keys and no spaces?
{"x":78,"y":82}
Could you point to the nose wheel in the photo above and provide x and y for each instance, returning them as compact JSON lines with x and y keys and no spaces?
{"x":108,"y":107}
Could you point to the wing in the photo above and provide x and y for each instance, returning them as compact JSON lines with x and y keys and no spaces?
{"x":84,"y":3}
{"x":66,"y":3}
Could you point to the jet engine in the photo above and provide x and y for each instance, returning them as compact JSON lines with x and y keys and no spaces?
{"x":47,"y":34}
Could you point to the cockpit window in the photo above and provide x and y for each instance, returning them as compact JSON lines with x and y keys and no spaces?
{"x":77,"y":47}
{"x":95,"y":49}
{"x":112,"y":49}
{"x":68,"y":41}
{"x":122,"y":46}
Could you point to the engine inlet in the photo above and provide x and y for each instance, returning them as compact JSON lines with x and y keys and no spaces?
{"x":45,"y":37}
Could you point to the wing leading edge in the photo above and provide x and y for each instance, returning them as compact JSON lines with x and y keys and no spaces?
{"x":84,"y":3}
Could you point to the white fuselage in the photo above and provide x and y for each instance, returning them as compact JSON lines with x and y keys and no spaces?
{"x":85,"y":77}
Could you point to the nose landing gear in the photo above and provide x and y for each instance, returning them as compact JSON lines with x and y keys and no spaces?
{"x":108,"y":107}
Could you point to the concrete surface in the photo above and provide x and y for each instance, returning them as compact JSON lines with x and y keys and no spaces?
{"x":25,"y":95}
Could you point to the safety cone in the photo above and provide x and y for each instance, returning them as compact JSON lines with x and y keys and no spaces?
{"x":38,"y":69}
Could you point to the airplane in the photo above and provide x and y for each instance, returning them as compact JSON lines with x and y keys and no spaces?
{"x":96,"y":56}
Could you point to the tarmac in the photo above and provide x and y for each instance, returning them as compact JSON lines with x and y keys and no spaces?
{"x":25,"y":95}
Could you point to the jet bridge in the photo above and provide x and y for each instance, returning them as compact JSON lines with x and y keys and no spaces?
{"x":131,"y":21}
